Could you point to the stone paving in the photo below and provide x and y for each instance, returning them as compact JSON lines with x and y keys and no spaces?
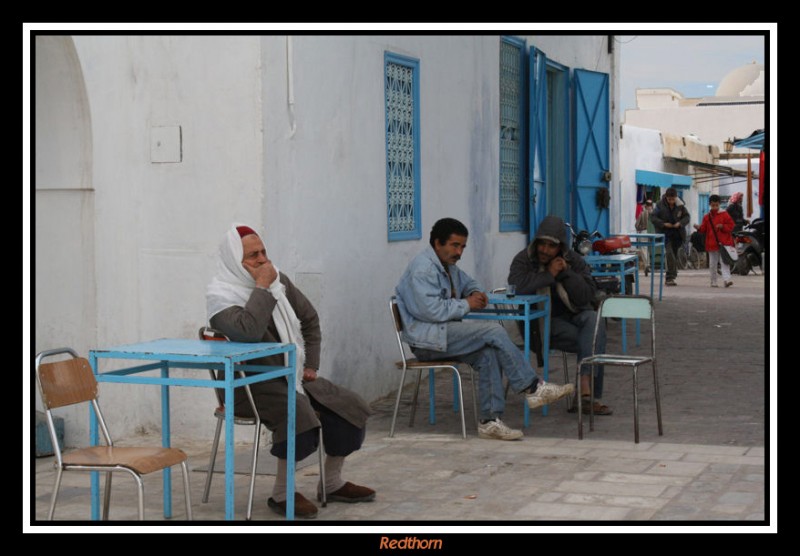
{"x":712,"y":466}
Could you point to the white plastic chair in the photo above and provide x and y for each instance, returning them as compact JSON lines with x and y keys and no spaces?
{"x":407,"y":364}
{"x":639,"y":307}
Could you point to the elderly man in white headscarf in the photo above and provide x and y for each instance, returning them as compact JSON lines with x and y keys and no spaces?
{"x":250,"y":300}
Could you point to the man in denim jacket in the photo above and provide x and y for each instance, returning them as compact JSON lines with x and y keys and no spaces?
{"x":433,"y":296}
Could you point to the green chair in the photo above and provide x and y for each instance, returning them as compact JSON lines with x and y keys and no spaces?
{"x":639,"y":307}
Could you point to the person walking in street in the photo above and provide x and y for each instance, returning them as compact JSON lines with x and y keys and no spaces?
{"x":644,"y":225}
{"x":670,"y":218}
{"x":717,"y":226}
{"x":736,"y":212}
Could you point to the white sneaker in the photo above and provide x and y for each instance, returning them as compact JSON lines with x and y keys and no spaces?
{"x":497,"y":430}
{"x":547,"y":393}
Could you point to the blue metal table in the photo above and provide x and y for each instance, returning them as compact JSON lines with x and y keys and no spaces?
{"x":167,"y":354}
{"x":523,"y":308}
{"x":651,"y":242}
{"x":621,"y":266}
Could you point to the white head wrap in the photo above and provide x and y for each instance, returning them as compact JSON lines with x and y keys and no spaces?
{"x":232,"y":286}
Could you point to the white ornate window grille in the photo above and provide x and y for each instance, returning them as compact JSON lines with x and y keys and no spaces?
{"x":401,"y":85}
{"x":512,"y":136}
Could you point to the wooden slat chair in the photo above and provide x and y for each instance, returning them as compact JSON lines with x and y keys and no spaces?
{"x":208,"y":333}
{"x":71,"y":381}
{"x":407,"y":363}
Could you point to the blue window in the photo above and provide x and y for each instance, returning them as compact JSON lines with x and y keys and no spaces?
{"x":401,"y":87}
{"x":513,"y":142}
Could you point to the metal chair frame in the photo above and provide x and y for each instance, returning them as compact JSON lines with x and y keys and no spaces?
{"x":70,"y":382}
{"x":407,"y":364}
{"x":639,"y":307}
{"x":207,"y":333}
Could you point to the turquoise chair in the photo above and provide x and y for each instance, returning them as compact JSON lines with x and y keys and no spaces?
{"x":639,"y":307}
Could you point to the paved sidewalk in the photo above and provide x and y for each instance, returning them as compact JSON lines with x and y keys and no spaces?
{"x":710,"y":467}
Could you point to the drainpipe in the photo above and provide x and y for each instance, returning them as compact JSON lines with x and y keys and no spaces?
{"x":290,"y":87}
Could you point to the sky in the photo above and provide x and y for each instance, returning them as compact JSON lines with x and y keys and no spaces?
{"x":693,"y":65}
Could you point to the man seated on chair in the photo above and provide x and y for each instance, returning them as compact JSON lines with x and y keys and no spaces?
{"x":433,"y":295}
{"x":250,"y":300}
{"x":548,"y":266}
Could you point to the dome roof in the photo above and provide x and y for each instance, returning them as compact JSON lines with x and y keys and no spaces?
{"x":745,"y":81}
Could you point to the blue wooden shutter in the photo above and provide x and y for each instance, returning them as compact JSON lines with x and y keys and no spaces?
{"x":537,"y":157}
{"x":592,"y":148}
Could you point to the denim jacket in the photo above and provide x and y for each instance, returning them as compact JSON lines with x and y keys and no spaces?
{"x":426,"y":303}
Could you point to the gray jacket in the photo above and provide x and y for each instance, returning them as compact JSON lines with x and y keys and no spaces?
{"x":426,"y":303}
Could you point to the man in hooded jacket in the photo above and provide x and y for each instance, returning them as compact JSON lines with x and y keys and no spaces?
{"x":670,"y":218}
{"x":548,"y":266}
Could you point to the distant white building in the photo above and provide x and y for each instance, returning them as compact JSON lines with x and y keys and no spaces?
{"x":735,"y":111}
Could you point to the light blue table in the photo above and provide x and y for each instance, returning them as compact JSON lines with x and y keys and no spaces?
{"x":167,"y":354}
{"x":621,"y":266}
{"x":652,"y":241}
{"x":524,"y":309}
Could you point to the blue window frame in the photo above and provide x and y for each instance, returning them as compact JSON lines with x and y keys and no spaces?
{"x":401,"y":89}
{"x":513,"y":138}
{"x":702,"y":205}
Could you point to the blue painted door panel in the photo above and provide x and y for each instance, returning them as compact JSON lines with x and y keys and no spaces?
{"x":592,"y":148}
{"x":537,"y":163}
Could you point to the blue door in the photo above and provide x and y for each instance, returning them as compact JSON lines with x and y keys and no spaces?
{"x":592,"y":152}
{"x":537,"y":163}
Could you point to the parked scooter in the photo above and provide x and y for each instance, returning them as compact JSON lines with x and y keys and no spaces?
{"x":750,"y":246}
{"x":586,"y":243}
{"x":582,"y":240}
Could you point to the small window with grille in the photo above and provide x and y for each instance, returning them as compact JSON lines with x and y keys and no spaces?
{"x":512,"y":134}
{"x":401,"y":88}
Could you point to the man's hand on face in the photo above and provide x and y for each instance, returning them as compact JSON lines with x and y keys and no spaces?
{"x":556,"y":265}
{"x":477,"y":300}
{"x":263,"y":274}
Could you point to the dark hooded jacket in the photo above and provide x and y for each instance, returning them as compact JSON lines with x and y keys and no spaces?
{"x":574,"y":286}
{"x":677,"y":214}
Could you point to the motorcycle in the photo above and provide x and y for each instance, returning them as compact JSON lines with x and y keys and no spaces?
{"x":750,"y":247}
{"x":585,"y":243}
{"x":582,"y":240}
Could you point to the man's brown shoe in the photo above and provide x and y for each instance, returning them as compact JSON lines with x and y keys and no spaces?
{"x":303,"y":508}
{"x":351,"y":493}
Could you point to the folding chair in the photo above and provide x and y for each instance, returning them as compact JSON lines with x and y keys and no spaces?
{"x":639,"y":307}
{"x":71,"y":381}
{"x":207,"y":333}
{"x":407,"y":364}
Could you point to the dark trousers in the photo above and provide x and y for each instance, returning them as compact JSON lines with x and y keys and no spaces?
{"x":673,"y":244}
{"x":341,"y":438}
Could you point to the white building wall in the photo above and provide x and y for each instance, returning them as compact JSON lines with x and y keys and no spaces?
{"x":711,"y":124}
{"x":286,"y":134}
{"x":639,"y":149}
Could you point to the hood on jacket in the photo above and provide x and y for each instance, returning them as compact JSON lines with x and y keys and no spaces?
{"x":552,"y":228}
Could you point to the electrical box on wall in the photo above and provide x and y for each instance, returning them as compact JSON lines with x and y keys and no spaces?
{"x":166,"y":144}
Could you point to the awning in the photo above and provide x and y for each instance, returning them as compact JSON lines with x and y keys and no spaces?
{"x":662,"y":179}
{"x":755,"y":141}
